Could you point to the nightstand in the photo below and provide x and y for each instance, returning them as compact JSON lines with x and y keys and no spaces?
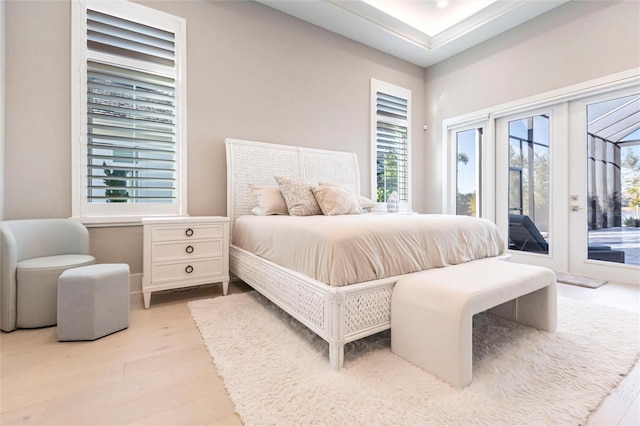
{"x":184,"y":252}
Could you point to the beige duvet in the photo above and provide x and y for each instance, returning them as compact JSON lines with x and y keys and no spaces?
{"x":342,"y":250}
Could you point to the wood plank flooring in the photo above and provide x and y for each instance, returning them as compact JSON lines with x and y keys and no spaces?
{"x":158,"y":371}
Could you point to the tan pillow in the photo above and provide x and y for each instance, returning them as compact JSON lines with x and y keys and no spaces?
{"x":269,"y":200}
{"x":336,"y":200}
{"x":298,"y":196}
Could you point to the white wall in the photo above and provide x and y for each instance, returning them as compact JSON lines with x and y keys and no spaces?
{"x":577,"y":42}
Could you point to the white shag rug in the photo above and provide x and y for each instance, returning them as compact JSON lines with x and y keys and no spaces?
{"x":277,"y":372}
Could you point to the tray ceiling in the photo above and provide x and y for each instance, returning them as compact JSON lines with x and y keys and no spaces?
{"x":422,"y":32}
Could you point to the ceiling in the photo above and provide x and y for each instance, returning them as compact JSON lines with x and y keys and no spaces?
{"x":422,"y":32}
{"x":617,"y":120}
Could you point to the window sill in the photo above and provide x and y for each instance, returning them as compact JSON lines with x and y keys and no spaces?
{"x":113,"y":221}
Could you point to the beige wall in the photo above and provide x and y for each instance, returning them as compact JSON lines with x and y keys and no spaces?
{"x":577,"y":42}
{"x":253,"y":73}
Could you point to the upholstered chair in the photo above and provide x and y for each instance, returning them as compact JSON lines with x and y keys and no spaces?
{"x":34,"y":253}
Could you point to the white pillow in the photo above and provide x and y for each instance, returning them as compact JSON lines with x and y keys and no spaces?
{"x":336,"y":200}
{"x":366,"y":203}
{"x":298,"y":196}
{"x":269,"y":200}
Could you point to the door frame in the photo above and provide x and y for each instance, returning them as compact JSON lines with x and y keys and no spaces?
{"x":619,"y":82}
{"x":557,"y":258}
{"x":579,"y":263}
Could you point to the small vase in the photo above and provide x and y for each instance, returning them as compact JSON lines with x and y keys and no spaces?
{"x":393,"y":202}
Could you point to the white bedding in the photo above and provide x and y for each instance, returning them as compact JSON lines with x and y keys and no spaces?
{"x":342,"y":250}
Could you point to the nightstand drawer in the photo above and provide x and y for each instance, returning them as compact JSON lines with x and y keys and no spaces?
{"x":186,"y":270}
{"x":187,"y":232}
{"x":184,"y":250}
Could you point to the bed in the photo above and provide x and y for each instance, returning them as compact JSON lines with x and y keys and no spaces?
{"x":339,"y":307}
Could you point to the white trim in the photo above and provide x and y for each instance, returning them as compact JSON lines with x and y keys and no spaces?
{"x":449,"y":158}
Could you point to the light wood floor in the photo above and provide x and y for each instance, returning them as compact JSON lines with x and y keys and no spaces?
{"x":159,"y":372}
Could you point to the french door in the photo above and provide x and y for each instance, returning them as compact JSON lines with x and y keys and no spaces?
{"x":605,"y":187}
{"x":532,"y":185}
{"x":568,"y":186}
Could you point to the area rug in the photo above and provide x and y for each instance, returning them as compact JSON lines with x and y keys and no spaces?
{"x":561,"y":277}
{"x":277,"y":372}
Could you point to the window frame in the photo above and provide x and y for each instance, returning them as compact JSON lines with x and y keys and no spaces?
{"x":124,"y":213}
{"x":400,"y":92}
{"x":485,"y":163}
{"x":478,"y":163}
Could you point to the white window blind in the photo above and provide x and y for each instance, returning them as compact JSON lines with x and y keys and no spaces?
{"x":131,"y":152}
{"x":392,"y":141}
{"x":126,"y":38}
{"x":131,"y":118}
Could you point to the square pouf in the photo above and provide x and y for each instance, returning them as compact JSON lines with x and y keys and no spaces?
{"x":93,"y":301}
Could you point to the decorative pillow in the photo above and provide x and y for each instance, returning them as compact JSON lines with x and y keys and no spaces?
{"x":336,"y":200}
{"x":269,"y":199}
{"x":366,"y":203}
{"x":298,"y":196}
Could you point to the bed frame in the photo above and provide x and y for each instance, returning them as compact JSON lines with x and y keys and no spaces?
{"x":338,"y":315}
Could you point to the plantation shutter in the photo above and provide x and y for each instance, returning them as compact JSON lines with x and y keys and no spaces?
{"x":131,"y":111}
{"x":392,"y":146}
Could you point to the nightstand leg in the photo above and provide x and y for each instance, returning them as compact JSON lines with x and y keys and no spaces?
{"x":225,"y":287}
{"x":147,"y":299}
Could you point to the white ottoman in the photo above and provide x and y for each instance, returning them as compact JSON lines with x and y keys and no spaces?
{"x":432,"y":311}
{"x":93,"y":301}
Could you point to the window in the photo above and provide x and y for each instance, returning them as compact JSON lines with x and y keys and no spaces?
{"x":391,"y":142}
{"x":529,"y":175}
{"x":468,"y":156}
{"x":468,"y":172}
{"x":129,"y":111}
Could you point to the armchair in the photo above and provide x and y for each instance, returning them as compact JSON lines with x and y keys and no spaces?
{"x":34,"y":254}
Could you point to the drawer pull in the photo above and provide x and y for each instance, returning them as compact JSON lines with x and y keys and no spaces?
{"x":188,"y":269}
{"x":189,"y":232}
{"x":189,"y":249}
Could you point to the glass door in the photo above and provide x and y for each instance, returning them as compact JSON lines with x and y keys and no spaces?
{"x":605,"y":187}
{"x":531,"y":183}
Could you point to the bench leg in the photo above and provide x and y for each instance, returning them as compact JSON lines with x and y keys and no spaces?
{"x":536,"y":309}
{"x":444,"y":349}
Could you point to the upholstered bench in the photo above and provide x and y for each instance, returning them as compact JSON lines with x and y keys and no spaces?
{"x":93,"y":301}
{"x":432,"y":310}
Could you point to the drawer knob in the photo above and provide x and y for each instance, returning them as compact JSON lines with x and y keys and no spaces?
{"x":189,"y":249}
{"x":188,"y":269}
{"x":189,"y":232}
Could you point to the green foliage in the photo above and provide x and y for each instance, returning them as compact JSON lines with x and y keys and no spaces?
{"x":115,"y":195}
{"x":387,"y":176}
{"x":466,"y":204}
{"x":631,"y":179}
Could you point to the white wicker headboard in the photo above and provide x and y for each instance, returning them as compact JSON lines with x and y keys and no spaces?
{"x":258,"y":162}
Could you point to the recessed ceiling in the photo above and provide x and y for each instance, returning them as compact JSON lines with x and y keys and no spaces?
{"x":422,"y":32}
{"x":430,"y":17}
